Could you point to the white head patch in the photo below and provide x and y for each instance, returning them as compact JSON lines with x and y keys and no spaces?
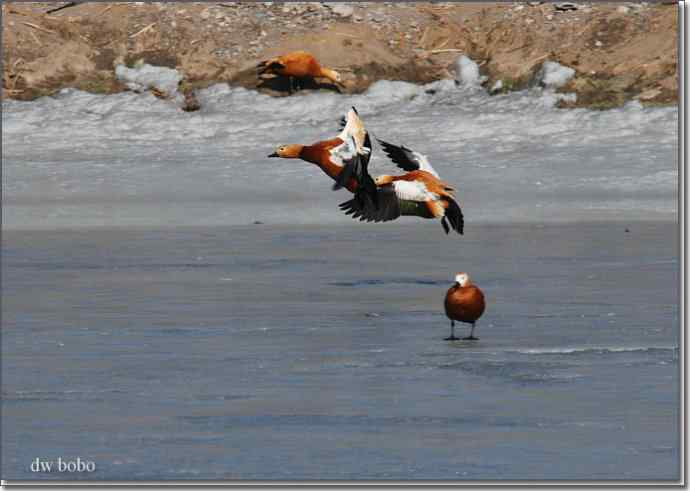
{"x":462,"y":279}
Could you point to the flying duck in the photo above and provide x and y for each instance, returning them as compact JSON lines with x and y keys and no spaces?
{"x":419,"y":192}
{"x":342,"y":158}
{"x":464,"y":303}
{"x":297,"y":66}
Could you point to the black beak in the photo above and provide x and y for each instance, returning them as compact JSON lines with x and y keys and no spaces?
{"x":274,"y":154}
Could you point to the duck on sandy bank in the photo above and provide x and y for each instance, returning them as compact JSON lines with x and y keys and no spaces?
{"x":298,"y":66}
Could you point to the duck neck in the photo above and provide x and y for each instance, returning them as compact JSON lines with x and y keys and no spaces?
{"x":331,"y":75}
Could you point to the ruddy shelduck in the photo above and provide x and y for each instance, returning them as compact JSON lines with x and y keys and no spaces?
{"x":419,"y":192}
{"x":464,"y":303}
{"x":341,"y":158}
{"x":298,"y":66}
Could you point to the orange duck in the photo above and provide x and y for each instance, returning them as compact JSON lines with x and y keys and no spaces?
{"x":341,"y":158}
{"x":419,"y":192}
{"x":298,"y":65}
{"x":464,"y":303}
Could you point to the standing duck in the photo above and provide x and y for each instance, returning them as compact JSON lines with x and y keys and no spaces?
{"x":464,"y":303}
{"x":297,"y":66}
{"x":419,"y":192}
{"x":342,"y":158}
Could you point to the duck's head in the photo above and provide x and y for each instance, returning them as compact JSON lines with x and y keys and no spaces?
{"x":462,"y":279}
{"x":288,"y":151}
{"x":383,"y":180}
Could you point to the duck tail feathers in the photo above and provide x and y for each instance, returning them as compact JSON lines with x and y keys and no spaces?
{"x":455,"y":217}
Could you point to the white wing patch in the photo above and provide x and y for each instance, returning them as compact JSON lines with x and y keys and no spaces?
{"x":424,"y":163}
{"x":354,"y":131}
{"x":413,"y":191}
{"x":344,"y":152}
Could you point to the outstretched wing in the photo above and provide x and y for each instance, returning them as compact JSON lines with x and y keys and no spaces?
{"x":386,"y":207}
{"x":407,"y":159}
{"x":366,"y":140}
{"x":355,"y":154}
{"x":354,"y":128}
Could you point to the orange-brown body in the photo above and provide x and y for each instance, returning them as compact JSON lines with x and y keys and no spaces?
{"x":299,"y":64}
{"x":436,"y":208}
{"x":464,"y":303}
{"x":334,"y":156}
{"x":432,"y":183}
{"x":319,"y":154}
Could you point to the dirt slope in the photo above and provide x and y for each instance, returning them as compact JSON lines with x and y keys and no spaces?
{"x":620,"y":51}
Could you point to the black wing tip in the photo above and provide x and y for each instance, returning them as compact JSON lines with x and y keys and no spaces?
{"x":401,"y":156}
{"x":393,"y":146}
{"x":383,"y":143}
{"x":455,"y":217}
{"x":388,"y":148}
{"x":461,"y":222}
{"x":446,"y":228}
{"x":364,"y":208}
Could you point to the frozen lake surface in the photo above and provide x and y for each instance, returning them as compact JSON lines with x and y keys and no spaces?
{"x":82,"y":160}
{"x":150,"y":328}
{"x":314,"y":352}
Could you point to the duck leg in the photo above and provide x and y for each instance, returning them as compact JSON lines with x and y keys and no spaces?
{"x":291,"y":90}
{"x":452,"y":332}
{"x":471,"y":336}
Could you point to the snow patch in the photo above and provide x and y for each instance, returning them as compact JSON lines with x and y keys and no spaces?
{"x":136,"y":160}
{"x":554,"y":75}
{"x":144,"y":76}
{"x":468,"y":72}
{"x":388,"y":91}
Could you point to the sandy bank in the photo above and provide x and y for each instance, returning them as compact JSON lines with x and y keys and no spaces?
{"x":619,"y":51}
